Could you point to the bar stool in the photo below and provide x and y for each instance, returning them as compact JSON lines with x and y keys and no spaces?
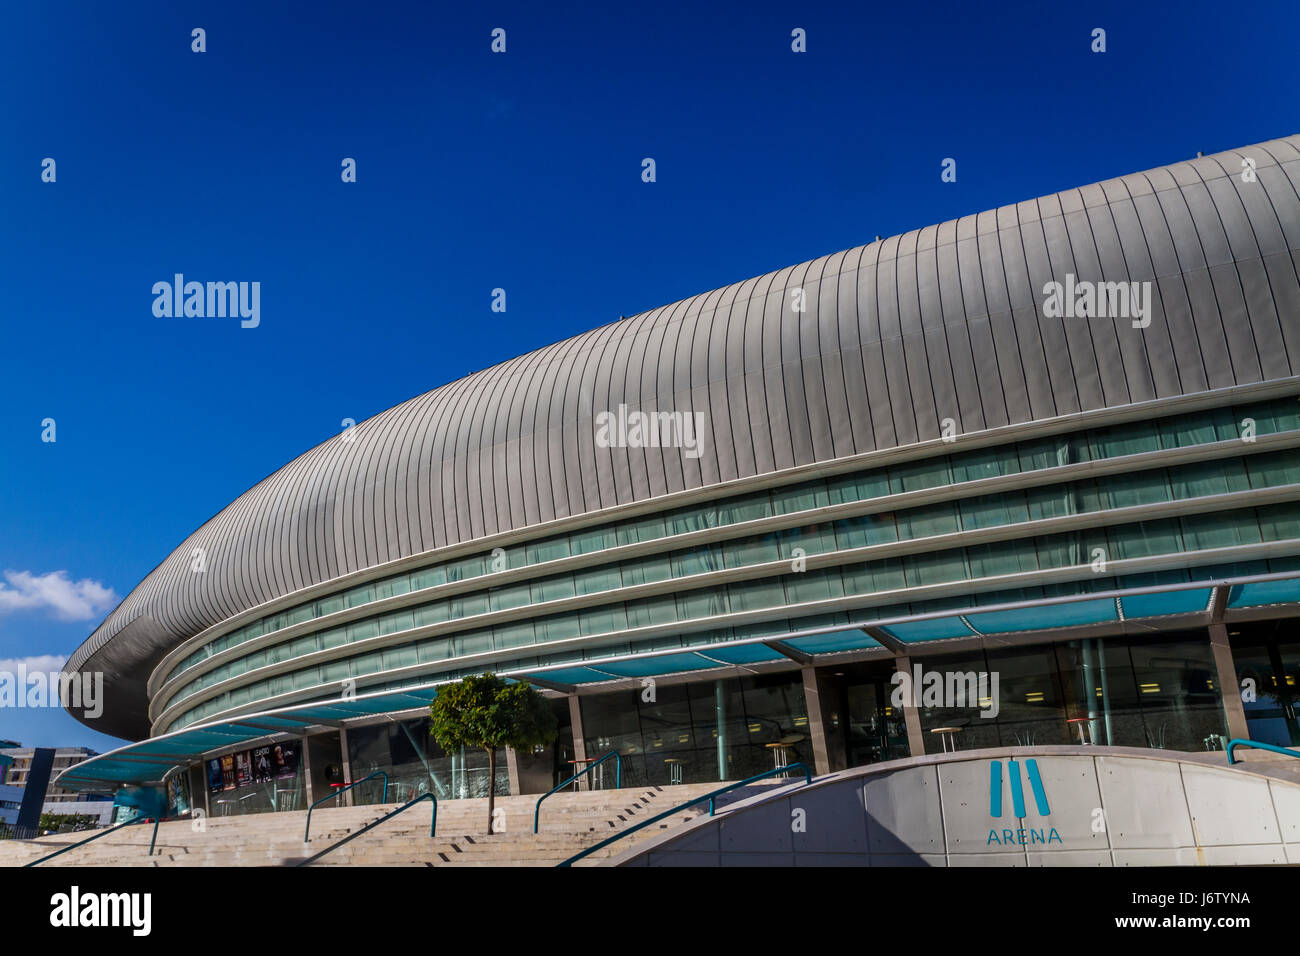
{"x":947,"y":737}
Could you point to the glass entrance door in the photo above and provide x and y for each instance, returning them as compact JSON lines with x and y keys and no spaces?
{"x":875,"y":730}
{"x":1268,"y":667}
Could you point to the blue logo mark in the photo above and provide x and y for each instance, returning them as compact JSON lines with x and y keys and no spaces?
{"x":1021,"y":835}
{"x":1017,"y":789}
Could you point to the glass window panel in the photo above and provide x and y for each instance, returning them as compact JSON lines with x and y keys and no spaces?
{"x":1281,"y":468}
{"x":813,"y":586}
{"x":756,"y":549}
{"x":592,"y":539}
{"x":1130,"y":439}
{"x":1220,"y":530}
{"x":1136,"y":488}
{"x":937,"y":568}
{"x":748,"y":508}
{"x":919,"y":475}
{"x":1002,"y":557}
{"x":433,"y":613}
{"x":1209,"y":478}
{"x":1280,"y":522}
{"x":510,"y":595}
{"x":362,"y":630}
{"x":558,"y":627}
{"x":865,"y":530}
{"x":466,"y":605}
{"x":633,"y":530}
{"x":595,"y":580}
{"x":858,"y":487}
{"x":801,"y":497}
{"x":513,"y":634}
{"x":699,"y":560}
{"x":603,"y":620}
{"x":428,"y":578}
{"x":813,"y":538}
{"x":703,"y":603}
{"x":474,"y":642}
{"x":1145,"y":538}
{"x":928,"y":521}
{"x":395,"y":621}
{"x":651,"y":611}
{"x":556,"y":587}
{"x":329,"y":605}
{"x":656,"y":567}
{"x":356,"y":597}
{"x":755,"y":595}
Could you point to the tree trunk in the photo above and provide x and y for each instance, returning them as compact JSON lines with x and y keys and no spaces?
{"x":492,"y":783}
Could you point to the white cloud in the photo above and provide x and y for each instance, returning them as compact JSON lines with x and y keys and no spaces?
{"x":44,"y":663}
{"x":54,"y":591}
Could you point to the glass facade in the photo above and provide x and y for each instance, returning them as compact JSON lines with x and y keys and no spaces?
{"x":416,"y":764}
{"x":963,"y":537}
{"x":702,"y":731}
{"x":1156,"y":692}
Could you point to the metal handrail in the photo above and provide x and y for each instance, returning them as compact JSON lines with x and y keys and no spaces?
{"x":690,"y":803}
{"x":618,"y":781}
{"x":121,"y":826}
{"x":374,"y":823}
{"x":383,"y":799}
{"x":1243,"y":742}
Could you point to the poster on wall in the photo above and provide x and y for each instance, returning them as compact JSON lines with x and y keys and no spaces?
{"x":284,"y":758}
{"x":263,"y":765}
{"x":243,"y":768}
{"x":214,"y":775}
{"x":228,"y":772}
{"x":178,"y":795}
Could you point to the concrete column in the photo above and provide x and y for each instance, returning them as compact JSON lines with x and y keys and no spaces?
{"x":814,"y":701}
{"x":720,"y":717}
{"x":347,"y":765}
{"x":512,"y":770}
{"x":579,"y":738}
{"x":304,"y":768}
{"x":1229,"y":684}
{"x":911,"y":716}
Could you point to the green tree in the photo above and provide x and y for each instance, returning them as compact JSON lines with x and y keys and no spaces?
{"x":487,"y":711}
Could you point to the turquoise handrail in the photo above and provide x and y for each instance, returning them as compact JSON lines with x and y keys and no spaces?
{"x":1243,"y":742}
{"x":690,"y":803}
{"x":121,"y":826}
{"x":618,"y":781}
{"x":306,"y":838}
{"x":433,"y":824}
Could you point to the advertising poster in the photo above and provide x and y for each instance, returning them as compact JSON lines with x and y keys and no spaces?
{"x":243,"y":768}
{"x":228,"y":772}
{"x":285,"y":759}
{"x":214,"y":775}
{"x":263,"y":765}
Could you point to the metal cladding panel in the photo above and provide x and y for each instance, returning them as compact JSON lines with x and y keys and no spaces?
{"x":942,"y":322}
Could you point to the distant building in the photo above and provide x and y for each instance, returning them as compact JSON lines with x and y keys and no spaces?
{"x":27,"y":776}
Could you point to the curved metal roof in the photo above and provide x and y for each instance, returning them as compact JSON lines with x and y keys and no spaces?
{"x":941,"y":322}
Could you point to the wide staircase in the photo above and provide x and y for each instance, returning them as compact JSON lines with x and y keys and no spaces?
{"x":570,"y":822}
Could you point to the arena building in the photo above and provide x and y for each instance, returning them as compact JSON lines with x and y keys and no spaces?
{"x":1056,"y":443}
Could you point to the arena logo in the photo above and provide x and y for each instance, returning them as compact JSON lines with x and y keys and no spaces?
{"x":215,"y":300}
{"x":636,"y":429}
{"x":952,"y":689}
{"x":74,"y":909}
{"x":1021,"y":835}
{"x":82,"y":692}
{"x":1098,"y":300}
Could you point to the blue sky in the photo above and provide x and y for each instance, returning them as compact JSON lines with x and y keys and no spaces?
{"x":476,"y":171}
